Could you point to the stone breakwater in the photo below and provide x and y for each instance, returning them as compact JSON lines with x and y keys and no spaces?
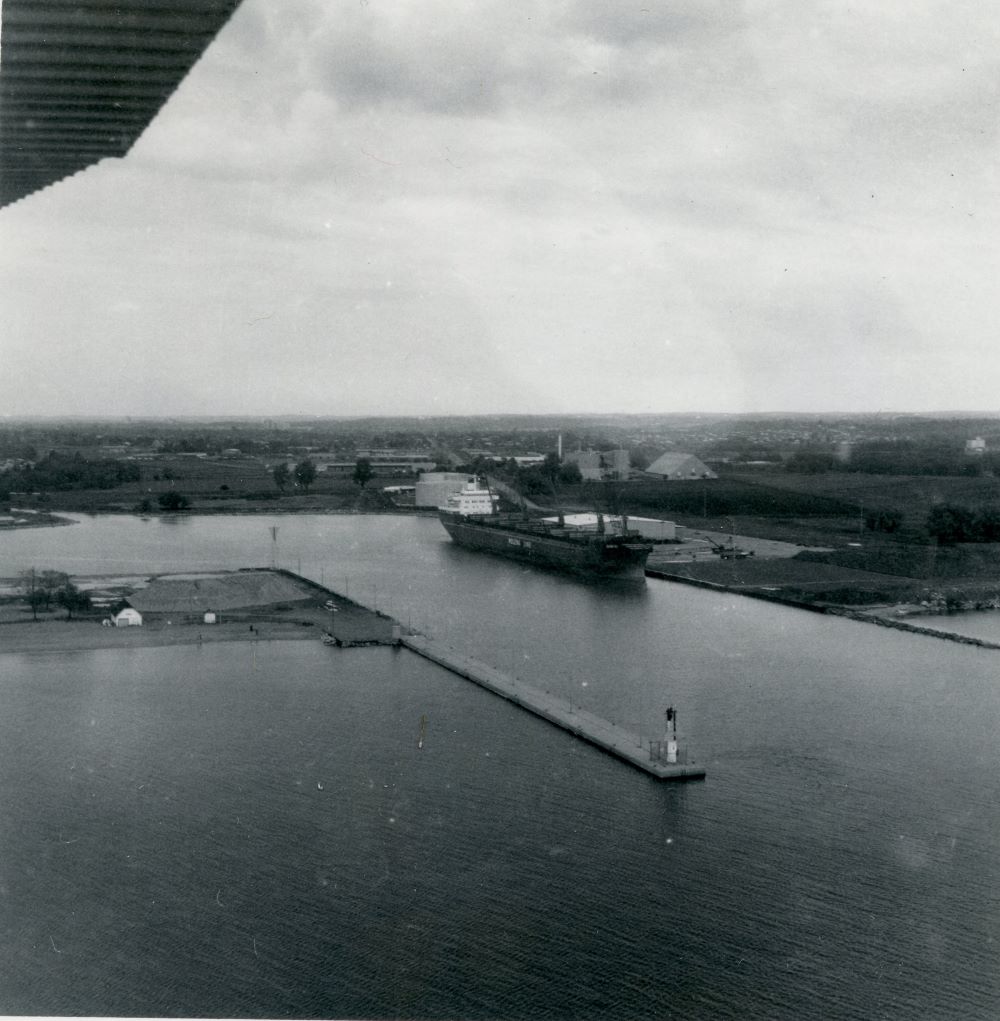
{"x":902,"y":625}
{"x":836,"y":611}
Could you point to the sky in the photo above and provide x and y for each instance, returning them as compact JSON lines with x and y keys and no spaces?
{"x":355,"y":207}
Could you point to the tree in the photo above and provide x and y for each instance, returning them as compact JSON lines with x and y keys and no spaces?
{"x":551,"y":465}
{"x":70,"y":598}
{"x":29,"y":587}
{"x":305,"y":473}
{"x":949,"y":524}
{"x":888,"y":519}
{"x":173,"y":501}
{"x":39,"y":588}
{"x":281,"y":475}
{"x":50,"y":582}
{"x":987,"y":524}
{"x":810,"y":462}
{"x":570,"y":474}
{"x":363,"y":472}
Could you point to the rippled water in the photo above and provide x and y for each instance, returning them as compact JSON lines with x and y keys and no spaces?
{"x":248,"y":831}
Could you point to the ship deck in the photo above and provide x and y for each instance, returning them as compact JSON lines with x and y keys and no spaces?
{"x":538,"y":527}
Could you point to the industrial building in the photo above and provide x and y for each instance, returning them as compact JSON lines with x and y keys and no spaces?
{"x":595,"y":465}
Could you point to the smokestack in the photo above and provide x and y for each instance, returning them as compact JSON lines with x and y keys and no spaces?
{"x":559,"y":447}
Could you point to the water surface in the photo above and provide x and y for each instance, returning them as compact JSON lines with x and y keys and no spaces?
{"x":252,"y":831}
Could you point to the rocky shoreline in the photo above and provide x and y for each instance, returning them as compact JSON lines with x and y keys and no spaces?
{"x":905,"y":625}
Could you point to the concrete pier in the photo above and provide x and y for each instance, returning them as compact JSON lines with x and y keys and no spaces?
{"x":604,"y":735}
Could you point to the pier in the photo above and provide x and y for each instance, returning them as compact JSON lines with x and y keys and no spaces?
{"x":617,"y":741}
{"x":373,"y":628}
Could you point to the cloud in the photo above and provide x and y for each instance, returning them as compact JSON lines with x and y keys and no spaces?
{"x":544,"y":206}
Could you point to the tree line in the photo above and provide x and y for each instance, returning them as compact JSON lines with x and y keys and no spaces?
{"x":42,"y":590}
{"x":66,"y":472}
{"x":899,"y":457}
{"x":304,"y":474}
{"x":531,"y":480}
{"x":950,"y":523}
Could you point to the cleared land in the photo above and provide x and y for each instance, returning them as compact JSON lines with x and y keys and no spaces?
{"x":794,"y":580}
{"x":219,"y":590}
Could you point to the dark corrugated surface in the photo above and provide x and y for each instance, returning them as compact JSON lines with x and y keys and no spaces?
{"x":81,"y":79}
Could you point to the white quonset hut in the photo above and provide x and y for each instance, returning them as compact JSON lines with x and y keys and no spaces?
{"x":128,"y":618}
{"x":434,"y":488}
{"x":680,"y":466}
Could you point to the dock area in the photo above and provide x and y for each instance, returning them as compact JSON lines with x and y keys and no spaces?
{"x":629,"y":747}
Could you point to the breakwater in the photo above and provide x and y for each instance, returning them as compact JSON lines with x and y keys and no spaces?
{"x":902,"y":625}
{"x":641,"y":753}
{"x":647,"y":754}
{"x":832,"y":611}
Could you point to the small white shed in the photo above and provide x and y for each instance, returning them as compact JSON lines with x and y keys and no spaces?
{"x":128,"y":618}
{"x":210,"y":617}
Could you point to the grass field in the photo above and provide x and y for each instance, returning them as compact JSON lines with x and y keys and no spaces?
{"x":810,"y":581}
{"x":214,"y":485}
{"x":915,"y":495}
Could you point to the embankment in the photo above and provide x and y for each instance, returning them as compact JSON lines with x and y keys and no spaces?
{"x":776,"y":595}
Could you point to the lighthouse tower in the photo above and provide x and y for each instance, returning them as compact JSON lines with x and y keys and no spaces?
{"x":670,"y":737}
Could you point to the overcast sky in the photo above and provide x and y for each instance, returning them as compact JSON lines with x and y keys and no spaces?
{"x":392,"y":206}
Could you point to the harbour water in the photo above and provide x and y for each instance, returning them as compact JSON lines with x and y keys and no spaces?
{"x":252,"y":830}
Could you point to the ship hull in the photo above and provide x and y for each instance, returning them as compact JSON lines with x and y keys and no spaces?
{"x":590,"y":557}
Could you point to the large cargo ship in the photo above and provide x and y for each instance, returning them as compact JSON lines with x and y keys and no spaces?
{"x":471,"y":518}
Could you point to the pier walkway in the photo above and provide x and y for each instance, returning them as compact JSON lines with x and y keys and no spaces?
{"x":612,"y":739}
